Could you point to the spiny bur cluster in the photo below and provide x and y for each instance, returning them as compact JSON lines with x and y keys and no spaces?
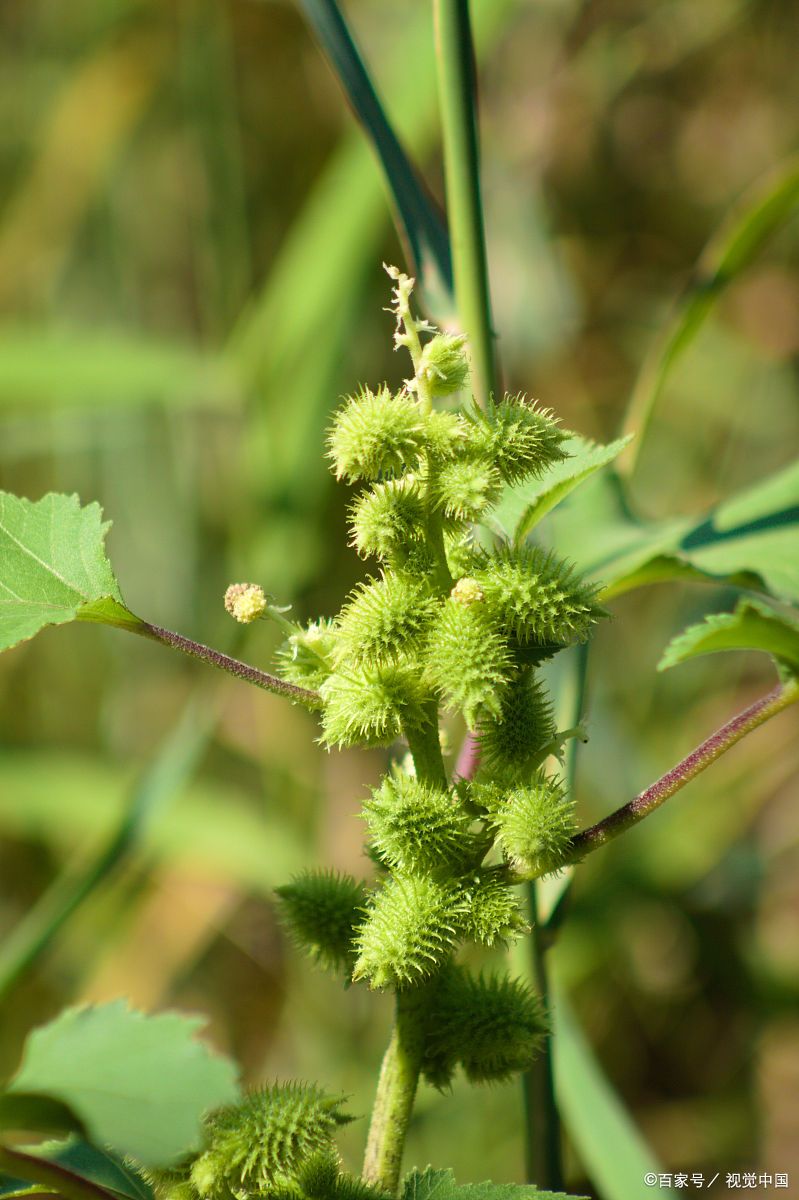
{"x":446,"y":621}
{"x":276,"y":1143}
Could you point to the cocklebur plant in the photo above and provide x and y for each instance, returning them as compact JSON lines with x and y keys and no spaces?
{"x":447,"y":624}
{"x":450,"y":630}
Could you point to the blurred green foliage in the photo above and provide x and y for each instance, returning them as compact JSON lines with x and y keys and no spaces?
{"x":191,"y":232}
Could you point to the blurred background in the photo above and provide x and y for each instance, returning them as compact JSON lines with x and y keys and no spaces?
{"x":191,"y":233}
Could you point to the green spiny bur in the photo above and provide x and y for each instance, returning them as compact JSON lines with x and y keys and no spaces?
{"x":512,"y":740}
{"x":494,"y":915}
{"x":466,"y":488}
{"x":411,"y":930}
{"x":384,"y":620}
{"x":321,"y":910}
{"x":445,"y":435}
{"x":369,"y":706}
{"x":518,"y":438}
{"x":387,"y":517}
{"x":258,"y":1147}
{"x":416,"y":827}
{"x":534,"y":825}
{"x":168,"y":1184}
{"x":305,"y":658}
{"x":374,"y":434}
{"x":467,"y":660}
{"x":492,"y":1026}
{"x":538,"y":598}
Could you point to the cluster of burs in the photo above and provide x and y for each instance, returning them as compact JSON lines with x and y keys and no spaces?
{"x":455,"y":624}
{"x":449,"y":623}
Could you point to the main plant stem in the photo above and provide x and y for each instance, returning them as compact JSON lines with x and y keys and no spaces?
{"x":456,"y":87}
{"x":396,"y":1092}
{"x":399,"y":1074}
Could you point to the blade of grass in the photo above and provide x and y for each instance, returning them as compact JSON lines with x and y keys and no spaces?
{"x":90,"y":118}
{"x":291,"y":344}
{"x":87,"y":369}
{"x":761,"y":212}
{"x":159,"y":784}
{"x":419,"y":221}
{"x":456,"y":86}
{"x":615,"y":1155}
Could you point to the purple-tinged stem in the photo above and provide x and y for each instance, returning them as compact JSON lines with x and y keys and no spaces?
{"x":697,"y":761}
{"x":261,"y":679}
{"x":468,"y":758}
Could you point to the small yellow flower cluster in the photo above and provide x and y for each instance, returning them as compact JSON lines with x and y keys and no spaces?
{"x":245,"y":601}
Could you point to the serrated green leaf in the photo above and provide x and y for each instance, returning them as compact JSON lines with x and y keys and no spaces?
{"x":440,"y":1185}
{"x":613,"y":1151}
{"x":752,"y":626}
{"x":523,"y":505}
{"x":53,"y":567}
{"x":139,"y":1084}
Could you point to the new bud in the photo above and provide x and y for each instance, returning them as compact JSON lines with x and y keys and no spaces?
{"x":443,"y":365}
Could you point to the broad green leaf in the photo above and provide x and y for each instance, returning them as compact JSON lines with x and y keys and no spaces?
{"x":523,"y":505}
{"x":440,"y":1185}
{"x":100,"y":1167}
{"x":140,"y":1084}
{"x":753,"y":626}
{"x":419,"y":220}
{"x":80,"y":368}
{"x":612,"y":1150}
{"x":756,"y":532}
{"x":752,"y":539}
{"x":766,"y":207}
{"x":28,"y":1112}
{"x":53,"y":567}
{"x":11,"y":1186}
{"x":78,"y":1160}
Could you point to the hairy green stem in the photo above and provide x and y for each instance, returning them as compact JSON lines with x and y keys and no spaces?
{"x":261,"y":679}
{"x":396,"y":1092}
{"x":674,"y":780}
{"x":542,"y":1140}
{"x":425,"y":747}
{"x":399,"y":1074}
{"x":455,"y":66}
